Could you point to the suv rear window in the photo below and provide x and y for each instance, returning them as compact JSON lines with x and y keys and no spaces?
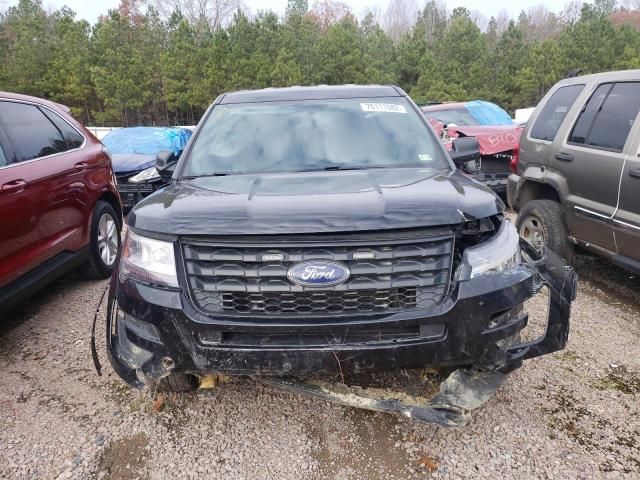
{"x":31,"y":134}
{"x":554,"y":111}
{"x":607,"y":118}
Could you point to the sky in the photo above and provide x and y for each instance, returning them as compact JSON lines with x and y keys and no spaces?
{"x":91,"y":9}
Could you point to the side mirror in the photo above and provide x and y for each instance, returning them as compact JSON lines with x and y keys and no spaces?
{"x":165,"y":164}
{"x":463,"y":150}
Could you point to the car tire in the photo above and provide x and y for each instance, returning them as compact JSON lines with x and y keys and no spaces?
{"x":105,"y":231}
{"x":177,"y":383}
{"x":541,"y":222}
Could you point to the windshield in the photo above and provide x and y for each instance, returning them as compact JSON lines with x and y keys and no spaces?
{"x":455,"y":116}
{"x":312,"y":135}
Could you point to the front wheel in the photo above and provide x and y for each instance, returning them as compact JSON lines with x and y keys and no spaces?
{"x":104,"y":243}
{"x":541,"y":224}
{"x":177,"y":383}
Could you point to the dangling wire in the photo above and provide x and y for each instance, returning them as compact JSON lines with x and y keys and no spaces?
{"x":94,"y":352}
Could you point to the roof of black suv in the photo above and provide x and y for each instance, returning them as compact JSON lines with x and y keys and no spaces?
{"x":320,"y":92}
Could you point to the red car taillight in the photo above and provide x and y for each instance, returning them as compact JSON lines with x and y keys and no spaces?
{"x":515,"y":158}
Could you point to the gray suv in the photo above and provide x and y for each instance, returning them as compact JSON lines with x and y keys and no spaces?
{"x":577,"y":181}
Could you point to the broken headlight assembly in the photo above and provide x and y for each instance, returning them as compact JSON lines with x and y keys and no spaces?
{"x":498,"y":254}
{"x":147,"y":175}
{"x":148,"y":260}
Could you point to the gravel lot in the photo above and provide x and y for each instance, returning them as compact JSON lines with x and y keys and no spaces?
{"x":574,"y":414}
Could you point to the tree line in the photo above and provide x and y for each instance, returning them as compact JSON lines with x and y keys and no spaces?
{"x":159,"y":62}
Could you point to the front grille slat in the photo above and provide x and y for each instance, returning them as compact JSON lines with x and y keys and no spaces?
{"x":408,"y":272}
{"x":380,"y":335}
{"x":281,"y":284}
{"x":212,"y":254}
{"x":256,"y":270}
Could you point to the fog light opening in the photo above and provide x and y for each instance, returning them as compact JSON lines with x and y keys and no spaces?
{"x":538,"y":309}
{"x":501,"y":318}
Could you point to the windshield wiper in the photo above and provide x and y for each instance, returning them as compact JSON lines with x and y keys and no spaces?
{"x":336,"y":168}
{"x":327,"y":168}
{"x":192,"y":177}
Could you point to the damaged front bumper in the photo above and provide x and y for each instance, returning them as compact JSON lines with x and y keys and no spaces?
{"x":466,"y":388}
{"x":460,"y":393}
{"x":153,"y":332}
{"x":133,"y":193}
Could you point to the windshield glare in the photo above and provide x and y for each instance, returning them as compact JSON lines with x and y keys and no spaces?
{"x":313,"y":135}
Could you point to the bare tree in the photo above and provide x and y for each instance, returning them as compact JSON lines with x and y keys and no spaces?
{"x":571,"y":11}
{"x":433,"y":19}
{"x":329,"y":12}
{"x":479,"y":19}
{"x":624,"y":16}
{"x":215,"y":13}
{"x":502,"y":20}
{"x":541,"y":24}
{"x":375,"y":11}
{"x":633,"y":5}
{"x":399,"y":17}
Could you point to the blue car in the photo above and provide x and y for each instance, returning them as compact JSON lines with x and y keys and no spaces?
{"x":133,"y":152}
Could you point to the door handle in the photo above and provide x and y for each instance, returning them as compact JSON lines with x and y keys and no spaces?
{"x":635,"y":173}
{"x":564,"y":157}
{"x":14,"y":185}
{"x":81,"y":165}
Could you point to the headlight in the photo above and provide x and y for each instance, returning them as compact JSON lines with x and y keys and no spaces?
{"x":500,"y":253}
{"x":145,"y":175}
{"x":148,"y":260}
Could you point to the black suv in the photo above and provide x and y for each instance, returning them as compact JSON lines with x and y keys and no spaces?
{"x":313,"y":230}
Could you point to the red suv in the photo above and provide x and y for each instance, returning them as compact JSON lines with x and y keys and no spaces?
{"x":59,"y":204}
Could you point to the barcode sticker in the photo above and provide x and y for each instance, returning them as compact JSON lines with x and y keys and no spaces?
{"x":383,"y":107}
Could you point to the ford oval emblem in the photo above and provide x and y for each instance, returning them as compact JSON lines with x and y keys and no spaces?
{"x":318,"y":273}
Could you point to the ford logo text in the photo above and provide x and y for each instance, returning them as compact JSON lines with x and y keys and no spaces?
{"x":318,"y":274}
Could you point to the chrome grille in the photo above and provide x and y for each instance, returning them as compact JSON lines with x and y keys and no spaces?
{"x":405,"y":273}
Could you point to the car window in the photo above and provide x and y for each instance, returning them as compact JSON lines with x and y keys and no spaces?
{"x":607,"y":118}
{"x":313,"y":135}
{"x":584,"y":122}
{"x":552,"y":114}
{"x":31,"y":134}
{"x":70,"y":134}
{"x":3,"y":157}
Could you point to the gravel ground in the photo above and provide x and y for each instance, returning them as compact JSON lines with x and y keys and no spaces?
{"x":573,"y":414}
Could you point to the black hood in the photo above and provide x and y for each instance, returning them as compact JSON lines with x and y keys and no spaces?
{"x":314,"y":202}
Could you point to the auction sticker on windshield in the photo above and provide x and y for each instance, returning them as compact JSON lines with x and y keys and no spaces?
{"x":383,"y":107}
